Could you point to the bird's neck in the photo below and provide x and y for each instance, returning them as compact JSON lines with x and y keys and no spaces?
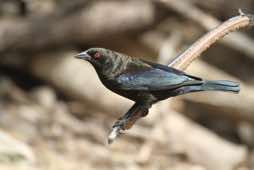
{"x":112,"y":69}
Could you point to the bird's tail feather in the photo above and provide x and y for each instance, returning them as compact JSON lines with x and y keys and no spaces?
{"x":220,"y":85}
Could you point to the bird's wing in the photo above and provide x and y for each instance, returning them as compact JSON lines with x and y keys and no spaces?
{"x":153,"y":79}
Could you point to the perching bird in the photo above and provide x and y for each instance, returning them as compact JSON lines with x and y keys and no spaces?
{"x":145,"y":82}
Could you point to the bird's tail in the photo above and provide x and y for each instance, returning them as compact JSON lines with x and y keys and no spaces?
{"x":220,"y":85}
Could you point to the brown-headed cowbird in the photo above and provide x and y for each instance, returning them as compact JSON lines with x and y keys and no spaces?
{"x":145,"y":82}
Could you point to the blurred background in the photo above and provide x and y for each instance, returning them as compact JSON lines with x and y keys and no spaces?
{"x":56,"y":115}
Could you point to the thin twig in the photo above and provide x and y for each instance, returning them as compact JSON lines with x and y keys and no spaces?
{"x":236,"y":40}
{"x":183,"y":60}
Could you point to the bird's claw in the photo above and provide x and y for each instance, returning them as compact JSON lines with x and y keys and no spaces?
{"x":125,"y":123}
{"x":116,"y":130}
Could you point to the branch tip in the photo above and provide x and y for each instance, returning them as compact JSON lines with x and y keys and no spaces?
{"x":250,"y":16}
{"x":241,"y":12}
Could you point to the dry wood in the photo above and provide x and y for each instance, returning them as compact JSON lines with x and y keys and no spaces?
{"x":237,"y":41}
{"x":200,"y":145}
{"x":33,"y":34}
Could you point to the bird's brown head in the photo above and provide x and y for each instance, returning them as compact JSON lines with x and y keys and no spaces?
{"x":102,"y":59}
{"x":98,"y":57}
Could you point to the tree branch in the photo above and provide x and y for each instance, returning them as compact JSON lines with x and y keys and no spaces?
{"x":241,"y":21}
{"x":183,"y":60}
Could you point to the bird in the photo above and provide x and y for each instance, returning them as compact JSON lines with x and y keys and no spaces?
{"x":145,"y":83}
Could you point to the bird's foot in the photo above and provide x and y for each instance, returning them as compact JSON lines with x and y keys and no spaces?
{"x":122,"y":124}
{"x":127,"y":121}
{"x":113,"y":134}
{"x":117,"y":128}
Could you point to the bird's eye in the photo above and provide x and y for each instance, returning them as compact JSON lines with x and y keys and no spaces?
{"x":97,"y":55}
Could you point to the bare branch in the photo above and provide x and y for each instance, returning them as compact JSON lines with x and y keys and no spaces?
{"x":183,"y":60}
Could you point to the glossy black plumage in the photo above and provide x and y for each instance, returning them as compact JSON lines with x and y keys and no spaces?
{"x":145,"y":82}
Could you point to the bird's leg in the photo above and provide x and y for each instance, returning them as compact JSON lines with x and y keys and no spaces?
{"x":125,"y":122}
{"x":134,"y":113}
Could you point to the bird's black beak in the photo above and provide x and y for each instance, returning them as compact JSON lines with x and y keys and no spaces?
{"x":83,"y":56}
